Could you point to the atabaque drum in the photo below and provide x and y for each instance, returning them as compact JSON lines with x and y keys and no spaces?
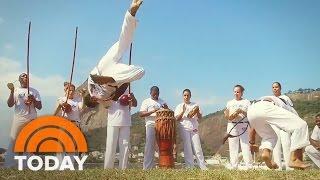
{"x":165,"y":129}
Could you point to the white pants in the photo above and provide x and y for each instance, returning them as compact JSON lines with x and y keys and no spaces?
{"x":234,"y":145}
{"x":110,"y":65}
{"x":148,"y":161}
{"x":9,"y":157}
{"x":263,"y":114}
{"x":191,"y":143}
{"x":284,"y":142}
{"x":313,"y":154}
{"x":117,"y":135}
{"x":16,"y":126}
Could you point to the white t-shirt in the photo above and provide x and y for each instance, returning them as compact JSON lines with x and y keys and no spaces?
{"x":150,"y":105}
{"x":76,"y":105}
{"x":284,"y":102}
{"x":21,"y":110}
{"x":289,"y":104}
{"x":189,"y":124}
{"x":118,"y":115}
{"x":233,"y":105}
{"x":276,"y":100}
{"x":287,"y":99}
{"x":315,"y":133}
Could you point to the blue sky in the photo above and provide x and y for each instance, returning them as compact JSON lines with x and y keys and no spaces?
{"x":207,"y":46}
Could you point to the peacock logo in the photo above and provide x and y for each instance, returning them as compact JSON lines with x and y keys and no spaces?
{"x":50,"y":134}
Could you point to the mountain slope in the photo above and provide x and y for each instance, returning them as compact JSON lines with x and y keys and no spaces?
{"x":212,"y":127}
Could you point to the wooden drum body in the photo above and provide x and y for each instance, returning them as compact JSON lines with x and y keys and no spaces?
{"x":165,"y":129}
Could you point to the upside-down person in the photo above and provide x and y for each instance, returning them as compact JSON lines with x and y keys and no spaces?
{"x":270,"y":110}
{"x":110,"y":78}
{"x":25,"y":110}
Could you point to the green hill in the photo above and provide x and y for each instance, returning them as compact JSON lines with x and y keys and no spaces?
{"x":212,"y":126}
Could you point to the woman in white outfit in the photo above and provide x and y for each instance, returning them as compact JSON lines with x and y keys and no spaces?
{"x":236,"y":110}
{"x":187,"y":114}
{"x":283,"y":136}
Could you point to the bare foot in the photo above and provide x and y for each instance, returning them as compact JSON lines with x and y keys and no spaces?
{"x":270,"y":164}
{"x":135,"y":6}
{"x":266,"y":157}
{"x":297,"y":164}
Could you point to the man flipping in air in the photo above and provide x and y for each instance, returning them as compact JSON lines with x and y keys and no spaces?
{"x":110,"y":78}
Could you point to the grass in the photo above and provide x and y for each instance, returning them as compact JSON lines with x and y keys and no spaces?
{"x":159,"y":174}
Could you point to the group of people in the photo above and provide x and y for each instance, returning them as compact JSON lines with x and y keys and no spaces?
{"x":273,"y":118}
{"x":276,"y":121}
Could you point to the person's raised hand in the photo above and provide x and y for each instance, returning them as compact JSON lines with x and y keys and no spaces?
{"x":10,"y":86}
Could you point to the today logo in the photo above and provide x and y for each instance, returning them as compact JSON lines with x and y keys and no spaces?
{"x":50,"y":134}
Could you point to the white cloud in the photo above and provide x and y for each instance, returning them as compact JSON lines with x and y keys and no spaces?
{"x":10,"y":70}
{"x":8,"y":46}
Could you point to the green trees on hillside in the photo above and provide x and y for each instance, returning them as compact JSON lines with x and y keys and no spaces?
{"x":307,"y":107}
